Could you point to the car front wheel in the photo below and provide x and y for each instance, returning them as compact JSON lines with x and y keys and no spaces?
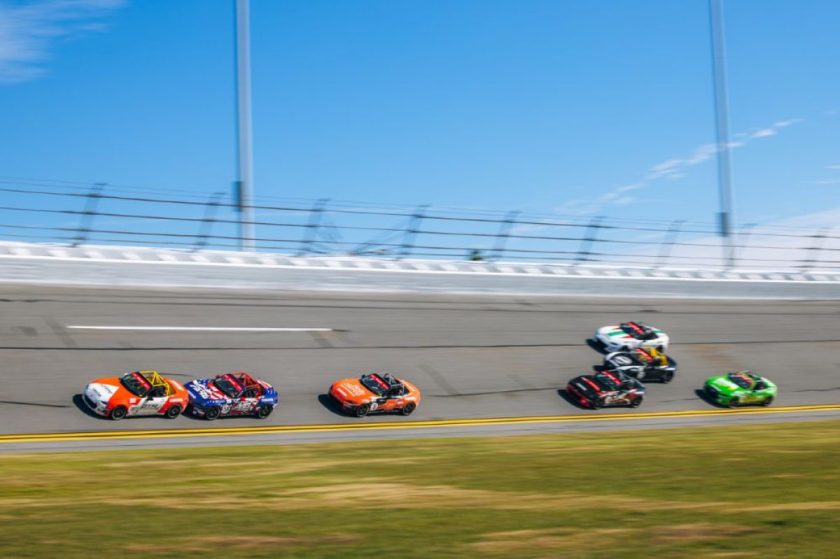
{"x":767,"y":401}
{"x":118,"y":413}
{"x":734,"y":402}
{"x":264,"y":411}
{"x":667,"y":377}
{"x":173,"y":412}
{"x":362,"y":410}
{"x":636,"y":402}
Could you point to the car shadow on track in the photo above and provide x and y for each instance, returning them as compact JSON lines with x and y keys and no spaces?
{"x":80,"y":403}
{"x":330,"y":404}
{"x":703,"y":396}
{"x":596,"y":345}
{"x":574,"y":403}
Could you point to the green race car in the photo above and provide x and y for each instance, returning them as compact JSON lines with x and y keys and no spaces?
{"x":741,"y":388}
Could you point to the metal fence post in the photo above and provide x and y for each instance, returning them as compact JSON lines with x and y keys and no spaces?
{"x":206,"y":225}
{"x":503,"y":235}
{"x":89,"y":212}
{"x":814,"y":249}
{"x":743,"y":238}
{"x":668,"y":242}
{"x":310,"y":232}
{"x":589,"y":237}
{"x":411,"y":231}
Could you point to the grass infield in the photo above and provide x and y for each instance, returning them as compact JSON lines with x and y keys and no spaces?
{"x":769,"y":490}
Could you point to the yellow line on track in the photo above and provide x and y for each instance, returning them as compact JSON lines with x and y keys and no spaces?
{"x":438,"y":423}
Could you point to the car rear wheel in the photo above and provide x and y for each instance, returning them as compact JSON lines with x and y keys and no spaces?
{"x":362,"y":410}
{"x":118,"y":413}
{"x":734,"y":402}
{"x":408,"y":408}
{"x":767,"y":401}
{"x":173,"y":412}
{"x":264,"y":411}
{"x":667,"y":377}
{"x":212,"y":413}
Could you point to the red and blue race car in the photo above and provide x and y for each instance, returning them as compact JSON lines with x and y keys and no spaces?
{"x":231,"y":394}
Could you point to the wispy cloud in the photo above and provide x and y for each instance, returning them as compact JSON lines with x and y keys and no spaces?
{"x":30,"y":30}
{"x":670,"y":169}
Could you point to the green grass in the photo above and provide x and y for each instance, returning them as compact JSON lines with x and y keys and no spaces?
{"x":769,"y":490}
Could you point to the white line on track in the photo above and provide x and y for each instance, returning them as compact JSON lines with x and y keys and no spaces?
{"x":199,"y":328}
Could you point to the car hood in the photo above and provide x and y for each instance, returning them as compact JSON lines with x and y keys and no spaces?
{"x":103,"y":389}
{"x":613,"y":333}
{"x":723,"y":384}
{"x":201,"y":390}
{"x":351,"y":390}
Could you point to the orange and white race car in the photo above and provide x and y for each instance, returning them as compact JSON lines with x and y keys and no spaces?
{"x":375,"y":393}
{"x":136,"y":393}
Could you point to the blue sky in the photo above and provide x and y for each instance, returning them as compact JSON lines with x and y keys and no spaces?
{"x":570,"y":107}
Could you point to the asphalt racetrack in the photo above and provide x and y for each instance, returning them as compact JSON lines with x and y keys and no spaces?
{"x":473,"y":357}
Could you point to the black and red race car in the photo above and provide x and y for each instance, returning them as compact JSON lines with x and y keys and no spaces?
{"x":606,"y":389}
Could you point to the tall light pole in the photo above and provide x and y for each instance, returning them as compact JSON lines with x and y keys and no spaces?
{"x":244,"y":159}
{"x":722,"y":126}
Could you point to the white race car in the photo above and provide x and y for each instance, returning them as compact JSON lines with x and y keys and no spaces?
{"x":630,"y":335}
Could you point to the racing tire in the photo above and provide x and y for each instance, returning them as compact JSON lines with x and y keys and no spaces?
{"x":408,"y":408}
{"x":362,"y":410}
{"x":767,"y":402}
{"x":173,"y":412}
{"x":636,"y":402}
{"x":263,"y":412}
{"x":667,"y":377}
{"x":212,"y":413}
{"x":118,"y":413}
{"x":734,"y":402}
{"x":597,"y":404}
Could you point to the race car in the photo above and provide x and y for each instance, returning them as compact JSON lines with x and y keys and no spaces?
{"x":630,"y":335}
{"x":375,"y":393}
{"x":642,"y":363}
{"x":136,"y":393}
{"x":740,"y":388}
{"x":606,"y":389}
{"x":231,"y":394}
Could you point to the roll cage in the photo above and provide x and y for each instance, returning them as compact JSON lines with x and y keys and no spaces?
{"x":638,"y":330}
{"x":157,"y":385}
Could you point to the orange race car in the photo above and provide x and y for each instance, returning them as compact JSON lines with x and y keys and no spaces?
{"x":137,"y":393}
{"x":375,"y":392}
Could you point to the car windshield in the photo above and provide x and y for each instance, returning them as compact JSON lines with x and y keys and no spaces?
{"x":741,"y":379}
{"x":607,"y":381}
{"x":226,"y":385}
{"x":136,"y":384}
{"x":375,"y":384}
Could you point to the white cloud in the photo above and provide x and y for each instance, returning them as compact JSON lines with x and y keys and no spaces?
{"x":29,"y":31}
{"x":833,"y":167}
{"x":670,"y":169}
{"x":786,"y":123}
{"x":764,"y":133}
